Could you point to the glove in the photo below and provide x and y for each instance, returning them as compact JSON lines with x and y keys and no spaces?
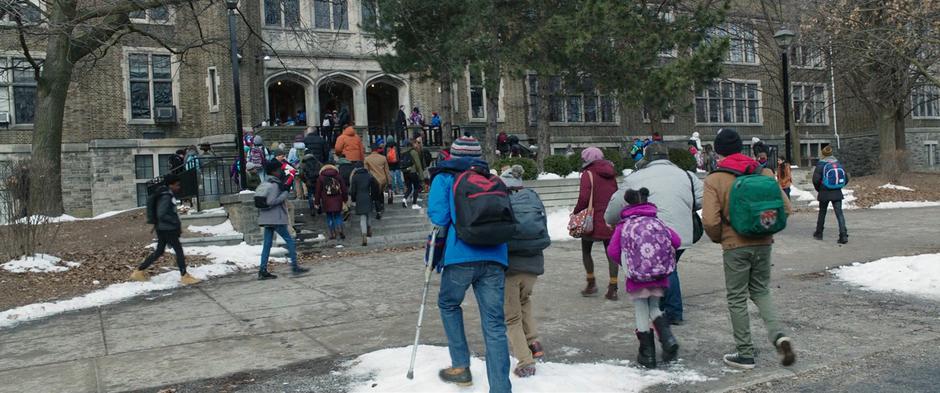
{"x":438,"y":246}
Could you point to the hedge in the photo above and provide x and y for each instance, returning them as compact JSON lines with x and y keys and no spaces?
{"x":558,"y":164}
{"x":683,"y":159}
{"x":528,"y":164}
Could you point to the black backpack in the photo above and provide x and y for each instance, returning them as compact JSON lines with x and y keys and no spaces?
{"x":152,"y":200}
{"x":310,"y":169}
{"x":531,"y":223}
{"x":406,"y":162}
{"x":482,"y":209}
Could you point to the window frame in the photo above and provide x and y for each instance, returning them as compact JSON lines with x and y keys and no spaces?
{"x":174,"y":80}
{"x":760,"y":102}
{"x":212,"y":86}
{"x":500,"y":108}
{"x":9,"y":83}
{"x":154,"y":155}
{"x":930,"y":103}
{"x":332,"y":14}
{"x":564,"y":96}
{"x":933,"y":149}
{"x":798,"y":52}
{"x":362,"y":19}
{"x":5,"y":20}
{"x":798,"y":112}
{"x":732,"y":31}
{"x":281,"y":15}
{"x":646,"y":117}
{"x":149,"y":20}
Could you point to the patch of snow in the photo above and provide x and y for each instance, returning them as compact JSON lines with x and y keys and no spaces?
{"x":39,"y":263}
{"x":39,"y":219}
{"x":222,"y":229}
{"x":113,"y":213}
{"x":794,"y":167}
{"x":699,"y":170}
{"x":552,"y":176}
{"x":896,"y":187}
{"x":917,"y":275}
{"x":848,"y":203}
{"x":627,"y":171}
{"x":208,"y":211}
{"x":225,"y":260}
{"x":242,"y":192}
{"x":558,"y":224}
{"x":569,"y":351}
{"x":801,"y":195}
{"x":905,"y":204}
{"x":415,"y":207}
{"x":384,"y":371}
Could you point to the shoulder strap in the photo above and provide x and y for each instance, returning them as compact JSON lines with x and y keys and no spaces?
{"x":692,"y":187}
{"x":591,"y":200}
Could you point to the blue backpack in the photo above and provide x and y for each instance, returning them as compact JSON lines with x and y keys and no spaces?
{"x":833,"y":176}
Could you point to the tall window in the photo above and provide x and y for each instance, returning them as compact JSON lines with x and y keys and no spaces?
{"x":728,"y":102}
{"x":150,"y":84}
{"x":144,"y":165}
{"x":212,"y":81}
{"x":477,"y":92}
{"x":669,"y":119}
{"x":27,"y":10}
{"x":330,"y":14}
{"x":580,"y":104}
{"x":743,"y":42}
{"x":809,"y":104}
{"x":931,"y":150}
{"x":925,"y":101}
{"x":283,"y":13}
{"x":156,"y":15}
{"x":802,"y":56}
{"x":17,"y":90}
{"x":370,"y":13}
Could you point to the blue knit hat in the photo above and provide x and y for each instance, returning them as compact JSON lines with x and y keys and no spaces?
{"x":466,"y":147}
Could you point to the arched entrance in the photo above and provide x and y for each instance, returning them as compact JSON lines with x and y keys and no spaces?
{"x":287,"y":102}
{"x":336,"y":97}
{"x":382,"y":104}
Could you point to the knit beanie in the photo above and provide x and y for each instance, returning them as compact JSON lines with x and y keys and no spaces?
{"x":466,"y":147}
{"x":728,"y":142}
{"x":591,"y":154}
{"x":656,"y":151}
{"x":272,"y":166}
{"x":827,"y":151}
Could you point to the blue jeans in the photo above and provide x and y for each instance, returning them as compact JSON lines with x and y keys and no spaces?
{"x":488,"y":280}
{"x":671,"y":303}
{"x":398,"y":181}
{"x":334,"y":221}
{"x":269,"y":240}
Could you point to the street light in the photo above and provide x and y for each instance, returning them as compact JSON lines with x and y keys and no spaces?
{"x":236,"y":89}
{"x":784,"y":38}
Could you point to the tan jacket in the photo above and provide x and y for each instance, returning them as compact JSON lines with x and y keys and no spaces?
{"x":377,"y":165}
{"x":715,"y":217}
{"x":350,"y":145}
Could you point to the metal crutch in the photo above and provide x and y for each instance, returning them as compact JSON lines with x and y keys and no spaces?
{"x":424,"y":296}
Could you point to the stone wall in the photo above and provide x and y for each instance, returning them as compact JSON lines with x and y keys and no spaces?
{"x":917,"y":145}
{"x":860,"y":155}
{"x":244,"y":215}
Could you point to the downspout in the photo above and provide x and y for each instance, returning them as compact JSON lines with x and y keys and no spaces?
{"x":832,"y":81}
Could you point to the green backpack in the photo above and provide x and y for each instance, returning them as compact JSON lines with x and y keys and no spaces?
{"x":756,"y":204}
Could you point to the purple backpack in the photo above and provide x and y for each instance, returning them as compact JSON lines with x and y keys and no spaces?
{"x":646,"y":248}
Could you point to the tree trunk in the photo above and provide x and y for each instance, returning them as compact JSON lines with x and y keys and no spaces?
{"x":890,"y":165}
{"x":900,"y":137}
{"x":51,"y":93}
{"x":447,"y":109}
{"x":543,"y":136}
{"x":491,"y":84}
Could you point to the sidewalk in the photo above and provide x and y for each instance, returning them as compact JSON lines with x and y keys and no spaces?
{"x":357,"y":305}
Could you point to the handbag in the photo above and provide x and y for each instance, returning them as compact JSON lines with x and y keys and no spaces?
{"x":697,"y":229}
{"x":581,"y":224}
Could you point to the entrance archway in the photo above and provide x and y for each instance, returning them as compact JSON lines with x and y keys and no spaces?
{"x":382,"y":104}
{"x":287,"y":102}
{"x":335,"y":96}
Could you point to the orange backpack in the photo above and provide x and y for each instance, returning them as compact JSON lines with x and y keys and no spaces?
{"x":392,"y":156}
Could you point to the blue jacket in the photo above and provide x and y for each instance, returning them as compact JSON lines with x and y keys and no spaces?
{"x":441,"y":212}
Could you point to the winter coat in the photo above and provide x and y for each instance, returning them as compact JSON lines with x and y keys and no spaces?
{"x":640,"y":214}
{"x":296,"y":152}
{"x":418,"y":166}
{"x":401,"y":121}
{"x":176,"y":164}
{"x":344,"y":118}
{"x":435,"y":121}
{"x":275,"y":196}
{"x":715,"y":210}
{"x":317,"y":146}
{"x":378,"y":167}
{"x":605,"y":184}
{"x":670,"y":190}
{"x":784,"y":176}
{"x":442,"y":213}
{"x":824,"y":194}
{"x":329,"y":203}
{"x":345,"y":170}
{"x":350,"y":145}
{"x":165,"y":211}
{"x":360,"y":191}
{"x":310,"y":170}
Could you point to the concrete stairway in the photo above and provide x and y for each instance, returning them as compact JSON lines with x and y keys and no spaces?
{"x":207,"y":218}
{"x":398,"y":227}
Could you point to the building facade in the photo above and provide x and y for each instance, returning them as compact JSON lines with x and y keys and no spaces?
{"x":302,"y":59}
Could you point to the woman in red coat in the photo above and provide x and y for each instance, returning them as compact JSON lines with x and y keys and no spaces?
{"x":604,"y":178}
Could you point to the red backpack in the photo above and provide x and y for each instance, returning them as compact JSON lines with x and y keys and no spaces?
{"x":482,"y":209}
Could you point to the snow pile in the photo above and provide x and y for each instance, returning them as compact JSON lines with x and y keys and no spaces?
{"x":905,"y":204}
{"x":552,"y":176}
{"x":917,"y":275}
{"x":226,"y":260}
{"x":39,"y":219}
{"x":39,"y":263}
{"x":223,"y":229}
{"x":801,"y":195}
{"x":245,"y":192}
{"x":896,"y":187}
{"x":384,"y":371}
{"x":848,"y":203}
{"x":627,"y":171}
{"x":558,"y":224}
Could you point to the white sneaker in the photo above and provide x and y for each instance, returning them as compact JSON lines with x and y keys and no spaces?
{"x":415,"y":207}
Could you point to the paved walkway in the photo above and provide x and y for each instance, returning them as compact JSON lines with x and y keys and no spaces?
{"x":357,"y":305}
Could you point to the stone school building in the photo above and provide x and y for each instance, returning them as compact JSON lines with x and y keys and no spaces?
{"x":301,"y":59}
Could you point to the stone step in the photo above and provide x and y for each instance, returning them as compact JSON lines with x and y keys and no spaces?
{"x":212,"y":217}
{"x":224,"y":240}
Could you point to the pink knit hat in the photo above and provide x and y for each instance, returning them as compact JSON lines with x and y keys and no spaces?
{"x":591,"y":154}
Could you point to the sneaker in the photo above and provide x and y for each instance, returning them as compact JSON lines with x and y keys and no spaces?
{"x":785,"y":349}
{"x":264,"y":275}
{"x":140,"y":275}
{"x":299,"y":271}
{"x":458,"y":376}
{"x":404,"y":203}
{"x":187,"y":279}
{"x":843,"y":239}
{"x":537,"y":352}
{"x":415,"y":207}
{"x":738,"y":361}
{"x":524,"y":371}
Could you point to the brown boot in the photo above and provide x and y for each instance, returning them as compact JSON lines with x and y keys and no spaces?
{"x":365,"y":242}
{"x":140,"y":275}
{"x":611,"y":292}
{"x":590,"y":289}
{"x":369,"y":231}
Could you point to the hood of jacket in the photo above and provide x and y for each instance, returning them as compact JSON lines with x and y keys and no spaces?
{"x":602,"y":168}
{"x":829,"y":159}
{"x":642,"y":209}
{"x":309,"y":156}
{"x":739,"y":163}
{"x":258,"y":141}
{"x":457,"y":165}
{"x":349,"y":131}
{"x":329,"y":170}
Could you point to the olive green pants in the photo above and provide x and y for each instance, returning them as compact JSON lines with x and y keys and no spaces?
{"x":747,"y":275}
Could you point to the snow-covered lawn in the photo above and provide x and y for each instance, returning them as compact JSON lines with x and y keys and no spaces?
{"x":905,"y":204}
{"x":895,"y":187}
{"x":552,"y":176}
{"x":917,"y":275}
{"x":37,"y":219}
{"x":801,"y":195}
{"x":223,"y":229}
{"x":225,"y":260}
{"x":38,"y":263}
{"x":558,"y":224}
{"x":384,"y":371}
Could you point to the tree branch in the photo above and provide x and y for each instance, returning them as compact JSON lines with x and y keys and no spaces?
{"x":91,"y":40}
{"x":125,"y":7}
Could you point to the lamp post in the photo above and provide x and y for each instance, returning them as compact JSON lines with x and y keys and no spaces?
{"x":236,"y":89}
{"x":784,"y":37}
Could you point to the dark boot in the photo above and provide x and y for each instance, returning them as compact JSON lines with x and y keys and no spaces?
{"x":611,"y":292}
{"x":365,"y":242}
{"x":647,"y":355}
{"x":459,"y":376}
{"x":667,"y":341}
{"x":264,"y":275}
{"x":844,"y":238}
{"x":332,"y":234}
{"x":817,"y":235}
{"x":369,"y":231}
{"x":342,"y":235}
{"x":590,"y":289}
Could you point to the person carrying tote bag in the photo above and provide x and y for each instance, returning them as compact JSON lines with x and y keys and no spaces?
{"x":598,"y":184}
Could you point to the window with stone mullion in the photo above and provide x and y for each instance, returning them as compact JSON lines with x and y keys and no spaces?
{"x":331,"y":14}
{"x":18,"y":95}
{"x":728,"y":102}
{"x":925,"y":101}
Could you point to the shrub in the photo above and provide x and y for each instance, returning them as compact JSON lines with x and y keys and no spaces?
{"x":683,"y":159}
{"x":528,"y":164}
{"x":574,"y":162}
{"x":620,"y":160}
{"x":559,"y":165}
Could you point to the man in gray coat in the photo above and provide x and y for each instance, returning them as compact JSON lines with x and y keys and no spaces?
{"x":677,"y":195}
{"x":270,"y":199}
